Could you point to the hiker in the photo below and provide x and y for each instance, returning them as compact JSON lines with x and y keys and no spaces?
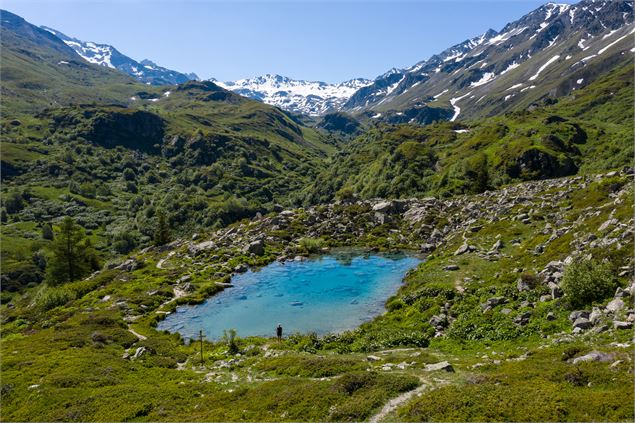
{"x":279,"y":332}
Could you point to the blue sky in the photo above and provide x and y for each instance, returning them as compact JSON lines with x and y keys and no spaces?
{"x":330,"y":41}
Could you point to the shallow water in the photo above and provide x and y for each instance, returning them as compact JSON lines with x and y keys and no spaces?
{"x":325,"y":294}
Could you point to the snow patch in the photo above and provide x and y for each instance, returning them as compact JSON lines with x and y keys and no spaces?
{"x":513,"y":87}
{"x":487,"y":77}
{"x":543,"y":67}
{"x":579,"y":81}
{"x":440,"y":94}
{"x":614,"y":42}
{"x":457,"y":109}
{"x":512,"y":66}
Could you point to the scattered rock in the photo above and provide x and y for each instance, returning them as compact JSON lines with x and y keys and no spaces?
{"x":451,"y":267}
{"x":575,"y":315}
{"x":465,"y":248}
{"x":582,"y":323}
{"x":593,"y":356}
{"x":257,"y":247}
{"x":493,"y":302}
{"x":428,"y":248}
{"x":196,"y":249}
{"x":443,"y":365}
{"x":615,"y":305}
{"x":498,"y":245}
{"x":522,"y":319}
{"x":241,"y":268}
{"x":622,"y":325}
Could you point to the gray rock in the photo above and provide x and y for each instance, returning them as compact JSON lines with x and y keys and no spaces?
{"x":465,"y":248}
{"x":593,"y":356}
{"x":498,"y":245}
{"x":196,"y":249}
{"x":443,"y":365}
{"x":439,"y":321}
{"x":622,"y":325}
{"x":451,"y":267}
{"x":522,"y":319}
{"x":184,"y":278}
{"x":615,"y":305}
{"x":595,"y":315}
{"x":241,"y":268}
{"x":521,"y":285}
{"x":256,"y":247}
{"x":575,"y":315}
{"x":428,"y":248}
{"x":551,"y":316}
{"x":582,"y":323}
{"x":139,"y":352}
{"x":493,"y":302}
{"x":604,"y":226}
{"x":621,"y":293}
{"x":373,"y":358}
{"x":556,"y":292}
{"x":600,"y":329}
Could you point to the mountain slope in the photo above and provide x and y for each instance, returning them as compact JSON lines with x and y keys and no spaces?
{"x":305,"y":97}
{"x":145,"y":71}
{"x":590,"y":130}
{"x":38,"y":70}
{"x":547,"y":53}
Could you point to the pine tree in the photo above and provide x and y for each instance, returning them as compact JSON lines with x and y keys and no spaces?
{"x":162,"y":234}
{"x":47,"y":232}
{"x":72,"y":255}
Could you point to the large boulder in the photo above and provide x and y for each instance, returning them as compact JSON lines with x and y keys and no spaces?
{"x":582,"y":323}
{"x":615,"y":305}
{"x":196,"y":249}
{"x":256,"y":247}
{"x":593,"y":356}
{"x":443,"y":365}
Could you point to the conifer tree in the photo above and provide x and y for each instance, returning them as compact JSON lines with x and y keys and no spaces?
{"x":162,"y":233}
{"x":72,"y":256}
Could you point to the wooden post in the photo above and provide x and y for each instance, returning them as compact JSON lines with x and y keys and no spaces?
{"x":201,"y":338}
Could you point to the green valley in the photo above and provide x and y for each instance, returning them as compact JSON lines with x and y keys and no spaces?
{"x":125,"y":202}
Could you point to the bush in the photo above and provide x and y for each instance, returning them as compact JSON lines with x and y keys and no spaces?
{"x":311,"y":245}
{"x":55,"y":297}
{"x":13,"y":202}
{"x":586,"y":282}
{"x":229,"y":337}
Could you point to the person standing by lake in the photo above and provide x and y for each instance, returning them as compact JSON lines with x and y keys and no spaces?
{"x":279,"y":332}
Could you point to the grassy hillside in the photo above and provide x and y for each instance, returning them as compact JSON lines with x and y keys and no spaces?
{"x":71,"y":352}
{"x":38,"y":70}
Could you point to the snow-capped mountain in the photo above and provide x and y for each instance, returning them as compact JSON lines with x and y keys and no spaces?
{"x":551,"y":51}
{"x":106,"y":55}
{"x":306,"y":97}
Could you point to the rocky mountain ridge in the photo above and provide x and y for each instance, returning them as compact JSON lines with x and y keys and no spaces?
{"x":549,"y":52}
{"x":311,"y":98}
{"x":106,"y":55}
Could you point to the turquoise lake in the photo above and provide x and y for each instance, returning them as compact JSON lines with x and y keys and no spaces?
{"x":324,"y":294}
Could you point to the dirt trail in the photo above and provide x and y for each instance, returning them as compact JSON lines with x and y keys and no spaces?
{"x":138,"y":335}
{"x":394,"y":403}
